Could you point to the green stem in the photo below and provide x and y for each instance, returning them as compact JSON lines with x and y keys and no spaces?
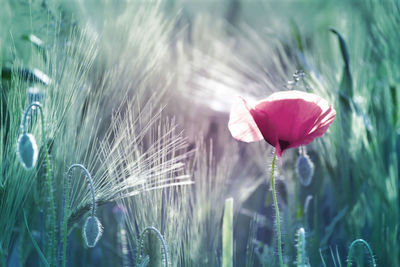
{"x":66,"y":206}
{"x":51,"y":200}
{"x":277,"y":217}
{"x":35,"y":245}
{"x":49,"y":182}
{"x":322,"y":258}
{"x":227,"y":234}
{"x":140,"y":244}
{"x":366,"y":245}
{"x":65,"y":221}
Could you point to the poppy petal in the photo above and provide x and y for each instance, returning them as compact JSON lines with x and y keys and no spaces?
{"x":241,"y":123}
{"x":324,"y":119}
{"x":285,"y":119}
{"x":319,"y":128}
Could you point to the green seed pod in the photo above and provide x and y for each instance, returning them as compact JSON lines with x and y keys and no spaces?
{"x":304,"y":169}
{"x":27,"y":150}
{"x":92,"y":231}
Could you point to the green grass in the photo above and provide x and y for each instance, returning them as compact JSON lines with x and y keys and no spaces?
{"x":139,"y":93}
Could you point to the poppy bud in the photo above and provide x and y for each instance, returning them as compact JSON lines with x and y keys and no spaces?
{"x":301,"y":248}
{"x":27,"y":151}
{"x":92,"y":231}
{"x":304,"y":169}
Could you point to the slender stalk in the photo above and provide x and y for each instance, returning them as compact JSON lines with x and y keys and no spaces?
{"x":35,"y":245}
{"x":227,"y":234}
{"x":48,"y":180}
{"x":66,"y":206}
{"x":140,"y":244}
{"x":366,"y":245}
{"x":322,"y":258}
{"x":65,"y":219}
{"x":277,"y":217}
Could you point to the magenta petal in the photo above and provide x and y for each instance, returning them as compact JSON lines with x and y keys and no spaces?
{"x":265,"y":124}
{"x":285,"y":119}
{"x":289,"y":119}
{"x":241,"y":123}
{"x":324,"y":119}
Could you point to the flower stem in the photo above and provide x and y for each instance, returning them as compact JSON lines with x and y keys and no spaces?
{"x":277,"y":218}
{"x":49,"y":182}
{"x":67,"y":210}
{"x":140,"y":244}
{"x":366,"y":245}
{"x":51,"y":198}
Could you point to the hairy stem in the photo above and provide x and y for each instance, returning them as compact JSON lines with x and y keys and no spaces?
{"x":366,"y":245}
{"x":67,"y":209}
{"x":80,"y":211}
{"x":277,"y":217}
{"x":65,"y":221}
{"x":140,"y":244}
{"x":49,"y":183}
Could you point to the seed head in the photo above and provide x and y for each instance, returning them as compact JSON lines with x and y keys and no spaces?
{"x":305,"y":169}
{"x":27,"y":150}
{"x":92,"y":231}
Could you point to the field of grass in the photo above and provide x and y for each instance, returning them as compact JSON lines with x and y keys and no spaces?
{"x":138,"y":94}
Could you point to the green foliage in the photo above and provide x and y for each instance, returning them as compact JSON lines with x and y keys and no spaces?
{"x":227,"y":234}
{"x":36,"y":246}
{"x":140,"y":94}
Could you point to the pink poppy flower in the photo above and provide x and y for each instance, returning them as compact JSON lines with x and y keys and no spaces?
{"x":285,"y":119}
